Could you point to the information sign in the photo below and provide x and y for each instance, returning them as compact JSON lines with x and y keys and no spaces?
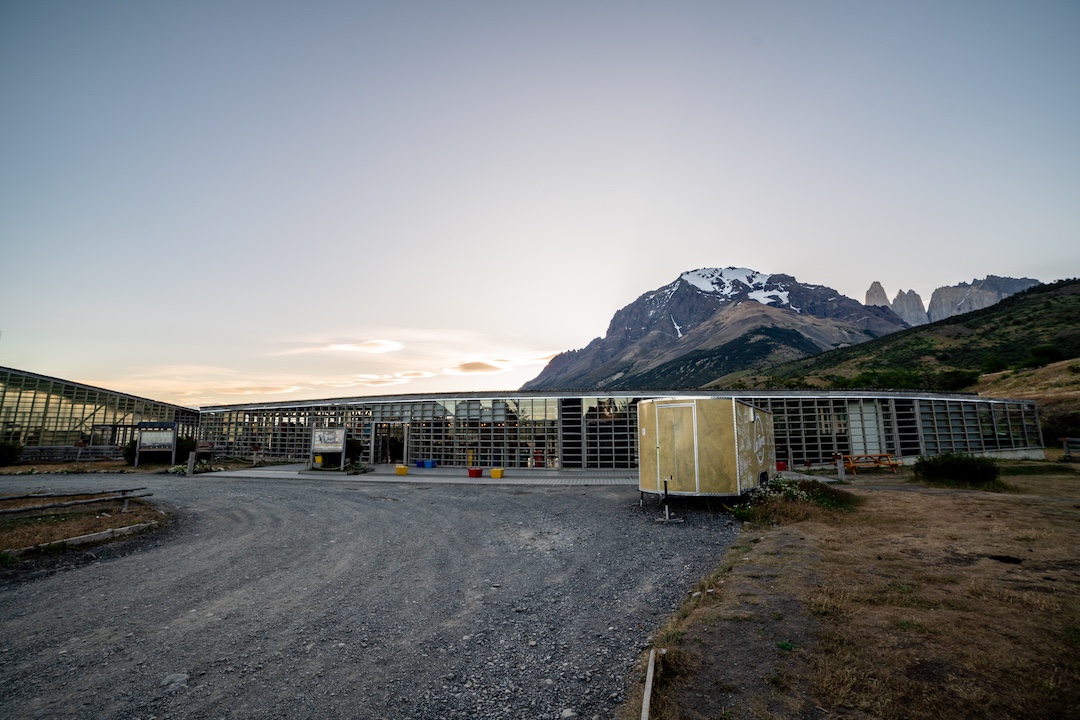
{"x":328,"y":440}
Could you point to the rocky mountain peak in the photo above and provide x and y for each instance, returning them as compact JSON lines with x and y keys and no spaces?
{"x":696,"y":312}
{"x":949,"y":300}
{"x":965,"y":297}
{"x":876,"y":295}
{"x":909,"y":306}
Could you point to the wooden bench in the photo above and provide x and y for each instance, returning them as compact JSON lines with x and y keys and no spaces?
{"x":874,"y":460}
{"x":1072,"y":448}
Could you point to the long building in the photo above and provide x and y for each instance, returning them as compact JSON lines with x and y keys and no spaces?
{"x":49,"y":416}
{"x":598,"y":431}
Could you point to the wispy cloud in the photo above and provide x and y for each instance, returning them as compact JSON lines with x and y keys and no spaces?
{"x":257,"y":389}
{"x":414,"y":374}
{"x":368,"y":346}
{"x":478,"y":367}
{"x":364,"y":380}
{"x":374,"y":346}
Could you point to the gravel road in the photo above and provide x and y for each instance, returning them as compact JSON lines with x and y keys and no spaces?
{"x":295,"y":598}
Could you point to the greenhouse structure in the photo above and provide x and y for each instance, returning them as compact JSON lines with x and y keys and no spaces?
{"x":579,"y":430}
{"x":600,"y":431}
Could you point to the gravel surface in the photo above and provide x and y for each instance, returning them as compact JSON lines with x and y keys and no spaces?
{"x":325,"y":599}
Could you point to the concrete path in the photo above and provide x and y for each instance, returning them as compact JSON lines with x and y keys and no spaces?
{"x":444,"y":476}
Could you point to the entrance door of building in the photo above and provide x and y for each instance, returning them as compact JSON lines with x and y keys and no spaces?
{"x":390,"y":443}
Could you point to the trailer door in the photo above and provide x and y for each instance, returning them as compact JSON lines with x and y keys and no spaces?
{"x":676,"y":432}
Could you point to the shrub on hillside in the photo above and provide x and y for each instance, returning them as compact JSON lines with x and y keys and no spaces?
{"x":10,"y":452}
{"x":1041,"y":355}
{"x":953,"y":380}
{"x":958,"y":468}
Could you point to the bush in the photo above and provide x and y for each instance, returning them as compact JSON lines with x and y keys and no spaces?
{"x":185,"y":445}
{"x":129,"y":453}
{"x":994,"y":363}
{"x":1041,"y":355}
{"x":958,"y":469}
{"x":10,"y":452}
{"x":1057,"y":424}
{"x":783,"y":500}
{"x":953,"y":380}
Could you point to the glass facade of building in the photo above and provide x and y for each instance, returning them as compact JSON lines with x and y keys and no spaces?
{"x":541,"y":430}
{"x":39,"y":411}
{"x":525,"y":430}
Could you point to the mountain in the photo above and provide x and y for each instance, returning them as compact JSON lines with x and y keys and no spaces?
{"x":1028,"y":329}
{"x":1025,"y":346}
{"x":949,"y":300}
{"x":709,"y":322}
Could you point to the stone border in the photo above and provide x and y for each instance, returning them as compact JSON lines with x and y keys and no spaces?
{"x":84,"y":539}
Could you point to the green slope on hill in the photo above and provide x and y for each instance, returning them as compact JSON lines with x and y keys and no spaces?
{"x":1029,"y":329}
{"x":757,"y":348}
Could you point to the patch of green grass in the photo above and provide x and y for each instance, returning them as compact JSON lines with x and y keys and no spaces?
{"x":670,"y":637}
{"x":900,"y":588}
{"x":776,"y":679}
{"x":1072,"y":637}
{"x":911,"y":626}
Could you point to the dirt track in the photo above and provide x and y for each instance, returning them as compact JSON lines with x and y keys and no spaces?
{"x":304,"y":599}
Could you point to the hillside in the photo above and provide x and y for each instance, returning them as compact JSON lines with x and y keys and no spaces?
{"x":1031,"y":328}
{"x":728,"y":322}
{"x":1023,"y":347}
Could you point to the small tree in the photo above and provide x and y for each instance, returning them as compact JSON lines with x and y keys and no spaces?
{"x":10,"y":452}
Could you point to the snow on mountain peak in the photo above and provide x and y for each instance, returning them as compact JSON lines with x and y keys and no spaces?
{"x":726,"y":282}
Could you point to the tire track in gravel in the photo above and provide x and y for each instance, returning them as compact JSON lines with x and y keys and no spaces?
{"x":290,"y":599}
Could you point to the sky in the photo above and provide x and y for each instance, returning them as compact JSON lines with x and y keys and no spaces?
{"x":219,"y":202}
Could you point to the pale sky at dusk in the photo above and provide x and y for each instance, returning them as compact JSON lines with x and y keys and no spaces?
{"x":222,"y":202}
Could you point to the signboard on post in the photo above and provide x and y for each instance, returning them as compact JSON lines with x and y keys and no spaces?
{"x":156,"y":437}
{"x":325,"y":441}
{"x":328,"y":440}
{"x":156,"y":440}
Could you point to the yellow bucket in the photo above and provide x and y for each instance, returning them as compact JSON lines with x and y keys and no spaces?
{"x":402,"y":469}
{"x":496,"y":473}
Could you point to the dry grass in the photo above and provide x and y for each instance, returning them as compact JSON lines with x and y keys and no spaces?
{"x":20,"y":530}
{"x":923,"y":603}
{"x":107,"y":466}
{"x":955,"y":604}
{"x":98,"y":466}
{"x":1050,"y":384}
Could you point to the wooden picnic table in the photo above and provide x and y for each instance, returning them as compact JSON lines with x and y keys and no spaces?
{"x":870,"y":460}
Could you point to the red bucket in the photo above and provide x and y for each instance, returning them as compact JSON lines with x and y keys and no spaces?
{"x":476,"y":472}
{"x":781,"y":466}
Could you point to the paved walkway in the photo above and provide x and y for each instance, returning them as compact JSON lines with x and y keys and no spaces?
{"x":447,"y":476}
{"x":459,"y":476}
